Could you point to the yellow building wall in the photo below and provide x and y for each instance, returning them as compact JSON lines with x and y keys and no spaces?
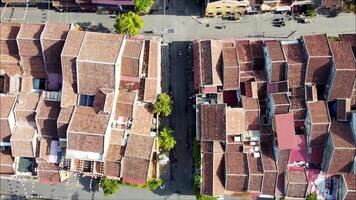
{"x":224,"y":7}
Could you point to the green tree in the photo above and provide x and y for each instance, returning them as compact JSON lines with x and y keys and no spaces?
{"x":109,"y":186}
{"x":312,"y":196}
{"x":143,"y":6}
{"x":163,"y":105}
{"x":128,"y":23}
{"x":166,"y":139}
{"x":154,"y":183}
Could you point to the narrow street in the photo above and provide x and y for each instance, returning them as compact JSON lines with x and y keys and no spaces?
{"x":181,"y":120}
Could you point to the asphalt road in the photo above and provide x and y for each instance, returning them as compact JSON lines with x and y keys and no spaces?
{"x":183,"y":18}
{"x":73,"y":190}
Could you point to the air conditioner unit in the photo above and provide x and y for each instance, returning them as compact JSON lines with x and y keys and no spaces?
{"x":256,"y":155}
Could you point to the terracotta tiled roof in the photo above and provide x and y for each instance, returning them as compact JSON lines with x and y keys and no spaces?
{"x":133,"y":48}
{"x":86,"y":130}
{"x":210,"y":63}
{"x":106,"y":47}
{"x":318,"y":112}
{"x":114,"y":152}
{"x":278,"y":71}
{"x":125,"y":104}
{"x":236,"y":161}
{"x":297,"y":183}
{"x":212,"y":120}
{"x":93,"y":76}
{"x":268,"y":160}
{"x":68,"y":60}
{"x":30,"y":31}
{"x":46,"y":117}
{"x":151,"y":91}
{"x":318,"y":70}
{"x":341,"y":134}
{"x":55,"y":31}
{"x":86,"y":120}
{"x":257,"y":49}
{"x":296,"y":74}
{"x":345,"y":74}
{"x":330,"y":3}
{"x":103,"y":100}
{"x":350,"y":180}
{"x":48,"y":172}
{"x":135,"y":170}
{"x":139,"y":146}
{"x":212,"y":147}
{"x":269,"y":183}
{"x":229,"y":56}
{"x":63,"y":121}
{"x":7,"y":104}
{"x":294,"y":53}
{"x":231,"y":78}
{"x":142,"y":119}
{"x":317,"y":45}
{"x":112,"y":169}
{"x":21,"y":141}
{"x":130,"y":67}
{"x":153,"y":60}
{"x":85,"y":142}
{"x":9,"y":30}
{"x":212,"y":174}
{"x":6,"y":162}
{"x":235,"y":120}
{"x":243,"y":50}
{"x":73,"y":43}
{"x":275,"y":50}
{"x":351,"y":37}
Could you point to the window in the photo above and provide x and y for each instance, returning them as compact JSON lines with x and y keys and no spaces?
{"x":39,"y":83}
{"x":86,"y":100}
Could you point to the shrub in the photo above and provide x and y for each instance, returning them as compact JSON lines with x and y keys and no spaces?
{"x":312,"y":196}
{"x":109,"y":186}
{"x":154,"y":183}
{"x":196,"y":153}
{"x":311,"y":12}
{"x":166,"y":139}
{"x":206,"y":197}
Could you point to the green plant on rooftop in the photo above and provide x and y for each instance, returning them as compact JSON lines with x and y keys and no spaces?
{"x":128,"y":23}
{"x":163,"y":105}
{"x":143,"y":6}
{"x":166,"y":139}
{"x":312,"y":196}
{"x":109,"y":186}
{"x":154,"y":183}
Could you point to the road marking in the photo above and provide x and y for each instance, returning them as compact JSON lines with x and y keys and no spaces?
{"x":3,"y":11}
{"x":25,"y":14}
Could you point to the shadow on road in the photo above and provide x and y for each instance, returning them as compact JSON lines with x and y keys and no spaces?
{"x":88,"y":26}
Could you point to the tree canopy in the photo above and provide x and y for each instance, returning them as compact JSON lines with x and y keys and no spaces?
{"x":109,"y":186}
{"x":163,"y":105}
{"x":166,"y":139}
{"x":143,"y":6}
{"x":128,"y":23}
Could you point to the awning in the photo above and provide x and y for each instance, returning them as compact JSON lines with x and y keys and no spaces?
{"x":283,"y":8}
